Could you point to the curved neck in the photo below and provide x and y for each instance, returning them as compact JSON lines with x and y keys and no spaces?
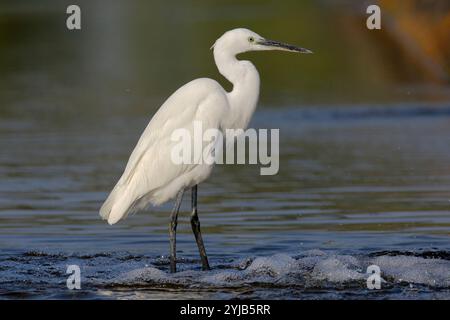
{"x":244,"y":96}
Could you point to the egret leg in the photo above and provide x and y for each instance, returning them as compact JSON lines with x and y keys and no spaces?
{"x":195,"y":223}
{"x":173,"y":232}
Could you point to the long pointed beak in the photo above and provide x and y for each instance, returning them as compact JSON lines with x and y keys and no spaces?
{"x":276,"y":45}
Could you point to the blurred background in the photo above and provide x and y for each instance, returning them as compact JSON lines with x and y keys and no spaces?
{"x":130,"y":55}
{"x":364,"y":138}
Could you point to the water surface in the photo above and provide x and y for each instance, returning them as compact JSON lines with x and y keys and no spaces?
{"x":357,"y":186}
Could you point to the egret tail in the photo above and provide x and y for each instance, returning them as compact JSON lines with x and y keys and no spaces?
{"x":116,"y":206}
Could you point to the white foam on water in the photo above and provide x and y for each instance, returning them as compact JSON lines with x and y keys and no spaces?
{"x":315,"y":265}
{"x":314,"y":269}
{"x":142,"y":275}
{"x":416,"y":270}
{"x":338,"y":269}
{"x":224,"y":278}
{"x":276,"y":265}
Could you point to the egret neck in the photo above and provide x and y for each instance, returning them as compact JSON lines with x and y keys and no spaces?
{"x":245,"y":79}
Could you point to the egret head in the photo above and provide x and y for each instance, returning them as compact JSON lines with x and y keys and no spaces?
{"x":243,"y":40}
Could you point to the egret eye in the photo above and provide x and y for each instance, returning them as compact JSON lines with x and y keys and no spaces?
{"x":251,"y":39}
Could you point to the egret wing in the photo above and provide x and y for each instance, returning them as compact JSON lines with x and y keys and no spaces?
{"x":150,"y":167}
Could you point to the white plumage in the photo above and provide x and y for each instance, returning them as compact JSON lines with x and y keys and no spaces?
{"x":150,"y":176}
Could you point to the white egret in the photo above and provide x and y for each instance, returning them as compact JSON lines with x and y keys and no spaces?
{"x":150,"y":176}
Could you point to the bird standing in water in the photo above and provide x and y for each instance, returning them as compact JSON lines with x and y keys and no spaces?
{"x":150,"y":176}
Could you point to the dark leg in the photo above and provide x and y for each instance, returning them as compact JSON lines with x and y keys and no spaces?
{"x":195,"y":222}
{"x":173,"y":232}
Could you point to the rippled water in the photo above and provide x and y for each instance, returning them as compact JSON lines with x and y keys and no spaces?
{"x":312,"y":274}
{"x":356,"y":187}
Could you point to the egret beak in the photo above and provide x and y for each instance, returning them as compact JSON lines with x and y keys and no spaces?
{"x":275,"y":45}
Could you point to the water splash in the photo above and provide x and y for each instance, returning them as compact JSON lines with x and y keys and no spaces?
{"x":312,"y":274}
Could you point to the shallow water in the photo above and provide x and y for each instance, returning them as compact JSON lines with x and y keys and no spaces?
{"x":312,"y":274}
{"x":357,"y":186}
